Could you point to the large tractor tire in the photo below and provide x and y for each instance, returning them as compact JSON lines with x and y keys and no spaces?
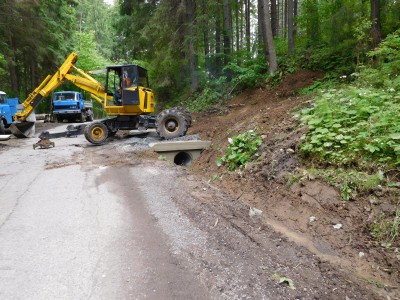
{"x":186,"y":114}
{"x":96,"y":133}
{"x":171,"y":124}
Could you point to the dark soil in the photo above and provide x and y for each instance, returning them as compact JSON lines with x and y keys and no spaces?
{"x":288,"y":208}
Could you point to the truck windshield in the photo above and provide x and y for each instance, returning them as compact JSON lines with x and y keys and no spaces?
{"x":2,"y":98}
{"x":64,"y":96}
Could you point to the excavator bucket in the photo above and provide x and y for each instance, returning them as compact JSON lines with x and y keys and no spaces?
{"x":23,"y":129}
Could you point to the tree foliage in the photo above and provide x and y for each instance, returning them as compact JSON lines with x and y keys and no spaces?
{"x":191,"y":47}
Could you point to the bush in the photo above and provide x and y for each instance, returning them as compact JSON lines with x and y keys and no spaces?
{"x":358,"y":124}
{"x":241,"y":149}
{"x":354,"y":127}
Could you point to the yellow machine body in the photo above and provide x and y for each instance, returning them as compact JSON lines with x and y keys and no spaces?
{"x":142,"y":104}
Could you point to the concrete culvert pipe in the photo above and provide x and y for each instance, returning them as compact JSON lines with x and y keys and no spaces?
{"x":183,"y":159}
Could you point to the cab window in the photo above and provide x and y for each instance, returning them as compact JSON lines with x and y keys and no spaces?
{"x":143,"y":80}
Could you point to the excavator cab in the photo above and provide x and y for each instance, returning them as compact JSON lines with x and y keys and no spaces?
{"x":125,"y":83}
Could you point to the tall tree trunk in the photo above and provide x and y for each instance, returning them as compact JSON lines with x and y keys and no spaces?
{"x":12,"y":66}
{"x":274,"y":18}
{"x":273,"y":63}
{"x":376,"y":23}
{"x":218,"y":54}
{"x":206,"y":38}
{"x":261,"y":26}
{"x":241,"y":19}
{"x":290,"y":18}
{"x":227,"y":37}
{"x":237,"y":31}
{"x":285,"y":17}
{"x":247,"y":13}
{"x":191,"y":16}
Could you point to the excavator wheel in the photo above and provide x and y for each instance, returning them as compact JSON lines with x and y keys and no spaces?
{"x":171,"y":123}
{"x":186,"y":113}
{"x":96,"y":133}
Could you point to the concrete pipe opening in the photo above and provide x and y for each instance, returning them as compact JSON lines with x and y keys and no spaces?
{"x":183,"y":159}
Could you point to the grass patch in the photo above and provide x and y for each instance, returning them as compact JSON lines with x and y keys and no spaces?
{"x":349,"y":182}
{"x":385,"y":229}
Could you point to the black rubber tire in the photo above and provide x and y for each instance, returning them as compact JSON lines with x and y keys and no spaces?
{"x":186,"y":113}
{"x":82,"y":118}
{"x":171,"y":124}
{"x":96,"y":133}
{"x":2,"y":127}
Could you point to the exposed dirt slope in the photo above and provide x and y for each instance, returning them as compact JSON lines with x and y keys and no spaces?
{"x":286,"y":208}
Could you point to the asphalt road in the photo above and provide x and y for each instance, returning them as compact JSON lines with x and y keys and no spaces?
{"x":73,"y":232}
{"x":84,"y":222}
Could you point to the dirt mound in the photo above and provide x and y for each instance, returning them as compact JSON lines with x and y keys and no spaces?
{"x":296,"y":81}
{"x":306,"y":211}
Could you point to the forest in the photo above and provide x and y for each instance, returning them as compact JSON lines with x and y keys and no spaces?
{"x":198,"y":52}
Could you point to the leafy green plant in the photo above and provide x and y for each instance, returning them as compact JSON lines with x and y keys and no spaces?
{"x":354,"y":126}
{"x":385,"y":70}
{"x":241,"y":149}
{"x":205,"y":100}
{"x":246,"y":77}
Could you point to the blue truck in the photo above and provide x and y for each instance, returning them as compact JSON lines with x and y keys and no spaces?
{"x":71,"y":106}
{"x":8,"y":108}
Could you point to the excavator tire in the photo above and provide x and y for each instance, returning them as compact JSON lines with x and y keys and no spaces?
{"x":96,"y":133}
{"x":186,"y":113}
{"x":171,"y":123}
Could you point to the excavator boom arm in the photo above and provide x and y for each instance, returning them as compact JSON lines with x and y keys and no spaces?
{"x":51,"y":83}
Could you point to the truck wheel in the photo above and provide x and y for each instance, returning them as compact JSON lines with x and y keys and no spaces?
{"x":82,"y":118}
{"x":2,"y":127}
{"x":96,"y":133}
{"x":90,"y":116}
{"x":171,"y":124}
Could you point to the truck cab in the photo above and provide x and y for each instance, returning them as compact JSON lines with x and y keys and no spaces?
{"x":71,"y":105}
{"x":8,"y":108}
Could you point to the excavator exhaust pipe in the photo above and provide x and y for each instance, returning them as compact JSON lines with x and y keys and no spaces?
{"x":23,"y":129}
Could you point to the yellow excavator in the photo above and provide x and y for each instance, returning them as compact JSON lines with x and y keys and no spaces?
{"x":125,"y":97}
